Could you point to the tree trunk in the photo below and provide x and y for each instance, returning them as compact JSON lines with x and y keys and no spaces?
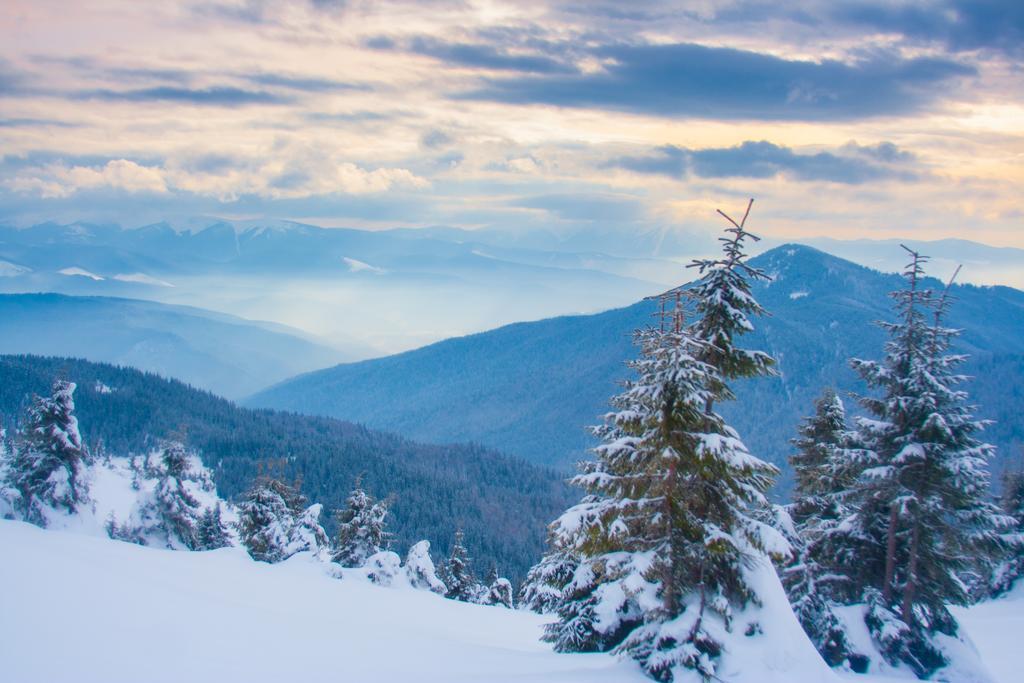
{"x":908,"y":592}
{"x":890,"y":555}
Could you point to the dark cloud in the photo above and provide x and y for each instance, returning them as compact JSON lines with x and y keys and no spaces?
{"x":216,"y":96}
{"x":34,"y":123}
{"x":447,"y":160}
{"x":475,"y":55}
{"x":12,"y":81}
{"x":693,"y":80}
{"x":249,"y":12}
{"x":210,"y":163}
{"x":89,"y":66}
{"x":350,"y":117}
{"x":435,"y":138}
{"x":316,"y":85}
{"x":763,"y":159}
{"x":957,"y":24}
{"x":584,"y":206}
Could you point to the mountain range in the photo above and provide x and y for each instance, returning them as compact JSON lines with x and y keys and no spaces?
{"x":530,"y":389}
{"x":222,"y":353}
{"x":372,"y":293}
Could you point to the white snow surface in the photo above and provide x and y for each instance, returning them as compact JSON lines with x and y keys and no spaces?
{"x":90,"y":610}
{"x":995,"y":627}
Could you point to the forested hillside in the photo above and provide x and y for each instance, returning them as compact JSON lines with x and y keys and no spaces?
{"x":532,"y":388}
{"x":503,"y":504}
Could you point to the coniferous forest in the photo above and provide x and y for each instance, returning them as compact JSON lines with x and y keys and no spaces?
{"x":501,"y":503}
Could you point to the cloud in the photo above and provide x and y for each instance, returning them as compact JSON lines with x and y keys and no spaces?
{"x":12,"y":81}
{"x":35,"y":123}
{"x":686,"y":79}
{"x":304,"y":84}
{"x":216,"y":96}
{"x":957,"y":24}
{"x":286,"y":174}
{"x":350,"y":117}
{"x":853,"y":166}
{"x":584,"y":206}
{"x":435,"y":138}
{"x":474,"y":55}
{"x":58,"y":180}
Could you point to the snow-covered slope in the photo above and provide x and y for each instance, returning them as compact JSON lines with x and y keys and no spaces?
{"x":88,"y":609}
{"x":995,"y":627}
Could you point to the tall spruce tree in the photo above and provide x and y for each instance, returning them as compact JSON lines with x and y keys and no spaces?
{"x":675,"y":512}
{"x":457,"y":573}
{"x":1011,"y":566}
{"x":47,"y":468}
{"x":361,"y":531}
{"x":823,"y":475}
{"x":921,"y":520}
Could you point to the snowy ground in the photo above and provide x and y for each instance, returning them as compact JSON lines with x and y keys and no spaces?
{"x":86,"y":609}
{"x":82,"y":608}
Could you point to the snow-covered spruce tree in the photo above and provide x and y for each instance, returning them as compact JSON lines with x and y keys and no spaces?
{"x":46,"y":471}
{"x":274,"y":522}
{"x":676,"y":512}
{"x":360,"y":529}
{"x":921,"y":519}
{"x":176,"y":510}
{"x":1011,"y":566}
{"x":382,"y":567}
{"x":211,"y":532}
{"x":823,"y":473}
{"x":457,"y":574}
{"x":6,"y":493}
{"x":542,"y":590}
{"x":308,"y":535}
{"x":420,"y":570}
{"x":499,"y":593}
{"x":492,"y":574}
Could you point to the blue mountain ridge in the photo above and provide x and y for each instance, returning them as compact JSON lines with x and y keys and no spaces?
{"x":231,"y":356}
{"x":531,"y":389}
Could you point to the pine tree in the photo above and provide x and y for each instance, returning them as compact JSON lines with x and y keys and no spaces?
{"x":176,"y":510}
{"x":360,"y":529}
{"x":542,"y":590}
{"x":920,"y":511}
{"x":492,"y":574}
{"x":420,"y":570}
{"x":211,"y":532}
{"x":274,"y":522}
{"x":1011,"y":566}
{"x":457,"y":574}
{"x":46,"y":471}
{"x":676,"y":510}
{"x":499,"y":593}
{"x":6,"y":494}
{"x":823,"y":474}
{"x":307,"y":535}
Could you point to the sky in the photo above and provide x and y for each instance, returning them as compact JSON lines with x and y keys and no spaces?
{"x":844,"y":119}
